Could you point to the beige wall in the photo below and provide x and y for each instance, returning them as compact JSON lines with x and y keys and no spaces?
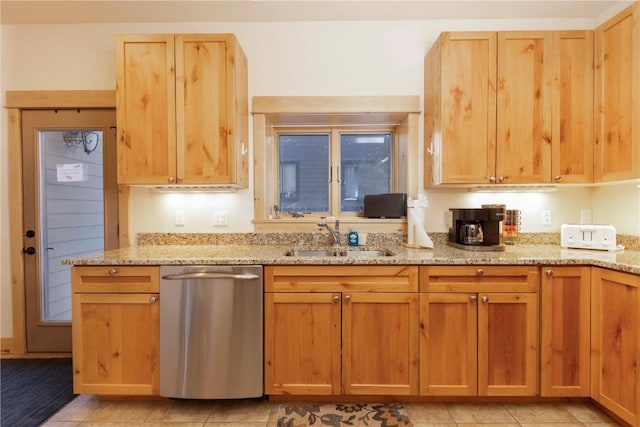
{"x":285,"y":58}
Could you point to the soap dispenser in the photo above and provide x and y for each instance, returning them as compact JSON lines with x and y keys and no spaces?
{"x":353,"y":238}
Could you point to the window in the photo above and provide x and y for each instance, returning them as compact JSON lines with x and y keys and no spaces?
{"x":330,"y":172}
{"x":323,"y":154}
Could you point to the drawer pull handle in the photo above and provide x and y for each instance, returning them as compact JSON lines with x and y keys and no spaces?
{"x":485,"y":299}
{"x":549,"y":272}
{"x":113,"y":272}
{"x":479,"y":272}
{"x":153,"y":299}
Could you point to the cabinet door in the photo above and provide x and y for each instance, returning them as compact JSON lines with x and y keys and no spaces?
{"x":145,"y":109}
{"x":507,"y":344}
{"x":572,"y":125}
{"x":615,"y":342}
{"x":565,"y":334}
{"x":617,"y":97}
{"x":302,"y":344}
{"x":448,"y":344}
{"x":115,"y":344}
{"x":380,"y":343}
{"x":523,"y":137}
{"x":205,"y":108}
{"x":460,"y":109}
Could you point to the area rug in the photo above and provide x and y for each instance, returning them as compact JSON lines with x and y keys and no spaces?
{"x":33,"y":390}
{"x":340,"y":415}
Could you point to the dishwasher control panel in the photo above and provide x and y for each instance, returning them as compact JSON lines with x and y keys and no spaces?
{"x":588,"y":236}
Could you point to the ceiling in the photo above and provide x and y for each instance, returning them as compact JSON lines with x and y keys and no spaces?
{"x":88,"y":11}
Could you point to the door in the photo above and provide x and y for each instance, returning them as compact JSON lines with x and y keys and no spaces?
{"x":70,"y":209}
{"x":302,"y":348}
{"x":507,"y":344}
{"x":111,"y":357}
{"x":380,"y":343}
{"x":449,"y":344}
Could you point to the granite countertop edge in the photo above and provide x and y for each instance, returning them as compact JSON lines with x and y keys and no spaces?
{"x":441,"y":254}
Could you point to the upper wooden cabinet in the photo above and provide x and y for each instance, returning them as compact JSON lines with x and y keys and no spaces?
{"x":523,"y":119}
{"x":502,"y":108}
{"x":182,"y":110}
{"x":617,"y":97}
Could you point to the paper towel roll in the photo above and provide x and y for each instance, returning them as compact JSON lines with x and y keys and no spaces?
{"x":416,"y":234}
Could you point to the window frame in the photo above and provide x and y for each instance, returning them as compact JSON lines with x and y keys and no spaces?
{"x":399,"y":113}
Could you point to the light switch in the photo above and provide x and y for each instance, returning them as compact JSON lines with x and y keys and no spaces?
{"x":219,"y":218}
{"x":179,"y":217}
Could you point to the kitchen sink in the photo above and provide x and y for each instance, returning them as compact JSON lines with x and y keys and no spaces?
{"x":366,"y":254}
{"x":310,"y":253}
{"x":345,"y":253}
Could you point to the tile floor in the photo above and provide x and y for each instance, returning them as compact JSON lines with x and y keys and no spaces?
{"x":89,"y":411}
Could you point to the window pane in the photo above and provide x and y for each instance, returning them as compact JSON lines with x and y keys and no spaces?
{"x":365,"y":168}
{"x":304,"y":172}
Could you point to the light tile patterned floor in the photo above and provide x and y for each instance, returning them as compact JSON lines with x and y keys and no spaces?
{"x":89,"y":411}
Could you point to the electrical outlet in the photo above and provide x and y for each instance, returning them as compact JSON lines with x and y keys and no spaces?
{"x":219,"y":218}
{"x":179,"y":217}
{"x":546,"y":217}
{"x":585,"y":216}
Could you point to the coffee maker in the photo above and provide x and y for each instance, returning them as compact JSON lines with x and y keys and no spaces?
{"x":476,"y":228}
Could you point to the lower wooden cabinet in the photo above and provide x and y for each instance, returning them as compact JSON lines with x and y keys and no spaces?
{"x":565,"y":336}
{"x":615,"y":342}
{"x":479,"y":331}
{"x":115,"y":330}
{"x":341,"y":330}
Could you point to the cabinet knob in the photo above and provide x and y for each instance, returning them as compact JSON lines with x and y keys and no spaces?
{"x":549,"y":272}
{"x":473,"y":298}
{"x":179,"y":179}
{"x":502,"y":178}
{"x":479,"y":272}
{"x":153,"y":299}
{"x":492,"y":179}
{"x":557,"y":178}
{"x":485,"y":299}
{"x":113,"y":272}
{"x":170,"y":179}
{"x":336,"y":298}
{"x":347,"y":298}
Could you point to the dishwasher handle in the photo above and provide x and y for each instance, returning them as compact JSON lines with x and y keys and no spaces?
{"x":210,"y":275}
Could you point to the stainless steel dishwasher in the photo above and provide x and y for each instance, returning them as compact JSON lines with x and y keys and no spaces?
{"x":211,"y":332}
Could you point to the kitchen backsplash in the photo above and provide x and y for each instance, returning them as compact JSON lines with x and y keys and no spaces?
{"x":374,"y":240}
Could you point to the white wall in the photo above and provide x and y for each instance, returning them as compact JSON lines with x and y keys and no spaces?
{"x":285,"y":58}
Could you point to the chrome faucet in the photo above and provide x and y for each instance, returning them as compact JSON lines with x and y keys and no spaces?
{"x":335,"y":232}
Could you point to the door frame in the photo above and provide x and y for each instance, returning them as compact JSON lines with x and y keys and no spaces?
{"x":16,"y":101}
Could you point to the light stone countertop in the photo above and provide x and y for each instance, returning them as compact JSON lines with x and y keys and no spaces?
{"x":441,"y":254}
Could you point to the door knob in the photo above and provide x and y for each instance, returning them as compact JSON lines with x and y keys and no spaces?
{"x":29,"y":251}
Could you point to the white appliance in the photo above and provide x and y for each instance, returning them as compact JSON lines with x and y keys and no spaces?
{"x":588,"y":236}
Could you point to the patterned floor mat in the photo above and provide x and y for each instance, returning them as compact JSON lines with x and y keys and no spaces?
{"x":341,"y":415}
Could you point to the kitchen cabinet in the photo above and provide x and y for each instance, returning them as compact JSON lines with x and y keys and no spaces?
{"x":617,"y":97}
{"x":478,"y":330}
{"x":565,"y":313}
{"x":509,"y":108}
{"x":115,"y":318}
{"x":572,"y":132}
{"x":341,"y":330}
{"x":182,"y":110}
{"x":615,"y":342}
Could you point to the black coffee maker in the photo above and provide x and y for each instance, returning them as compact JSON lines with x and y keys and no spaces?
{"x":476,"y":228}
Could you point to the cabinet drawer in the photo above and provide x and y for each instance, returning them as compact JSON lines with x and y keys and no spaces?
{"x":116,"y":279}
{"x":341,"y":278}
{"x":480,"y":278}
